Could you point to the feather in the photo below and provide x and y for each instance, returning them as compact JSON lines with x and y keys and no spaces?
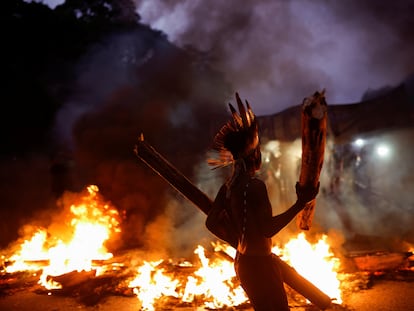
{"x":238,"y":123}
{"x":242,"y":111}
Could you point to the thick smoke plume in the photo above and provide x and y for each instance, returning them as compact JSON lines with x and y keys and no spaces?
{"x":130,"y":83}
{"x":273,"y":52}
{"x":154,"y":88}
{"x":276,"y":52}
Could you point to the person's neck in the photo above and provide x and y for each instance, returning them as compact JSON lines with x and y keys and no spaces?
{"x":247,"y":173}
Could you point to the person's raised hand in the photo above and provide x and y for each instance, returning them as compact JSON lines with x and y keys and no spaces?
{"x":306,"y":193}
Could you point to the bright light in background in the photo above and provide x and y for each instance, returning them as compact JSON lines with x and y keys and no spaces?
{"x":383,"y":151}
{"x":272,"y":148}
{"x":359,"y":142}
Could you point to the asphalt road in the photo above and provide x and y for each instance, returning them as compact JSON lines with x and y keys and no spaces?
{"x":383,"y":295}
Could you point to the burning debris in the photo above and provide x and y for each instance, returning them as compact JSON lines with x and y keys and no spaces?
{"x":72,"y":258}
{"x":59,"y":265}
{"x":161,"y":166}
{"x":209,"y":282}
{"x":166,"y":170}
{"x":77,"y":263}
{"x":381,"y":261}
{"x":86,"y":226}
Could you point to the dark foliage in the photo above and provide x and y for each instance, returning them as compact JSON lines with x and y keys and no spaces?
{"x":54,"y":63}
{"x":40,"y":48}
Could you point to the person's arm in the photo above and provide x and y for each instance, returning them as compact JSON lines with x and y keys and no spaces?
{"x":218,"y":221}
{"x":272,"y":225}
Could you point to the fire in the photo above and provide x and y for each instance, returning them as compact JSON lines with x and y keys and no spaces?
{"x":215,"y":280}
{"x":210,"y":282}
{"x":92,"y":224}
{"x":152,"y":283}
{"x":315,"y":262}
{"x":214,"y":283}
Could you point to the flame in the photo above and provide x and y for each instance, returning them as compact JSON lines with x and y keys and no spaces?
{"x":215,"y":280}
{"x":210,"y":282}
{"x":152,"y":284}
{"x":91,"y":226}
{"x":315,"y":262}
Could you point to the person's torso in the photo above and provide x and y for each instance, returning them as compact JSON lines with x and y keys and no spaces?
{"x":243,"y":210}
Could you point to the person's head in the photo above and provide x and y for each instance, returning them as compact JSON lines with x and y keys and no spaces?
{"x":238,"y":140}
{"x":254,"y":160}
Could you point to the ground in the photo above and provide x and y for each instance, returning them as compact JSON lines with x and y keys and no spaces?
{"x":382,"y":295}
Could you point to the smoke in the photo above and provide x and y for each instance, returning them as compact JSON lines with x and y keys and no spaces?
{"x":133,"y":83}
{"x":52,"y":3}
{"x":129,"y":83}
{"x":277,"y":52}
{"x":26,"y":194}
{"x":273,"y":52}
{"x":366,"y":193}
{"x":365,"y":190}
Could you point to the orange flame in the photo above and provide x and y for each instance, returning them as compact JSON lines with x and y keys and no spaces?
{"x":315,"y":262}
{"x":212,"y":281}
{"x":215,"y":281}
{"x":152,"y":284}
{"x":91,"y":226}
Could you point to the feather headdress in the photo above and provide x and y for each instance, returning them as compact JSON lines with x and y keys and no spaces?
{"x":238,"y":138}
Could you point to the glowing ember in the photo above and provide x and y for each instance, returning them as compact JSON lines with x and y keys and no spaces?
{"x":83,"y":241}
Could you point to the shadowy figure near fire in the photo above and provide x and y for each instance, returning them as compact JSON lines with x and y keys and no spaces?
{"x":242,"y":208}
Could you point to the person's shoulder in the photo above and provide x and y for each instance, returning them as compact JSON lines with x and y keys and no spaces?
{"x":257,"y":182}
{"x":257,"y":188}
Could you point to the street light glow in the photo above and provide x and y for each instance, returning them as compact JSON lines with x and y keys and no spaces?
{"x":359,"y":142}
{"x":383,"y":151}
